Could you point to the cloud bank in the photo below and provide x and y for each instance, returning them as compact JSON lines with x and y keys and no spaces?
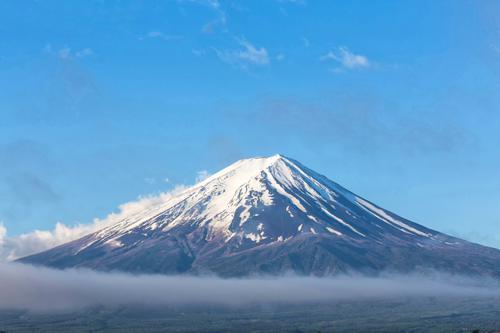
{"x":28,"y":287}
{"x":12,"y":248}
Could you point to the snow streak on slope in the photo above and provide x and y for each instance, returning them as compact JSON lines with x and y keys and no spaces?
{"x":388,"y":219}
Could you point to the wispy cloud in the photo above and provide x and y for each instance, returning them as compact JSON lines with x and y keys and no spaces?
{"x":248,"y":54}
{"x":150,"y":180}
{"x":210,"y":3}
{"x":84,"y":53}
{"x":220,"y":20}
{"x":199,"y":52}
{"x":218,"y":23}
{"x":66,"y":52}
{"x":298,"y":2}
{"x":160,"y":35}
{"x":305,"y":41}
{"x":347,"y":59}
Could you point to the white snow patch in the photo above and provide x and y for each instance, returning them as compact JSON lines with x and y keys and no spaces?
{"x":114,"y":243}
{"x":267,"y":198}
{"x":333,"y":231}
{"x":245,"y":215}
{"x":313,"y":218}
{"x":257,"y":238}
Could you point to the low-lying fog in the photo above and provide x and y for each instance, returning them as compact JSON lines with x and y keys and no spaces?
{"x":43,"y":289}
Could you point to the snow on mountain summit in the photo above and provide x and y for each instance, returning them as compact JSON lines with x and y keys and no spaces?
{"x":263,"y":200}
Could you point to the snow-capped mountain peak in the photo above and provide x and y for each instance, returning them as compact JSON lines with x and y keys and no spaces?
{"x":264,"y":200}
{"x":268,"y":214}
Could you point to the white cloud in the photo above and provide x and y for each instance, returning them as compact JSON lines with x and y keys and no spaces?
{"x":199,"y":52}
{"x":161,"y":35}
{"x":215,"y":4}
{"x":35,"y":241}
{"x":150,"y":180}
{"x":347,"y":59}
{"x":3,"y":235}
{"x":84,"y":53}
{"x":247,"y":54}
{"x":65,"y":52}
{"x":212,"y":26}
{"x":202,"y":175}
{"x":298,"y":2}
{"x":39,"y":240}
{"x":253,"y":54}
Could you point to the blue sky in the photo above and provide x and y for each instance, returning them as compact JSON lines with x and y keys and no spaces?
{"x":103,"y":101}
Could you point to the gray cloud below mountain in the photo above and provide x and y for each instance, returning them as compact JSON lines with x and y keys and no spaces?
{"x":28,"y":287}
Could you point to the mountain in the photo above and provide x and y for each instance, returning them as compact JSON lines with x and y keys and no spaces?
{"x":269,"y":216}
